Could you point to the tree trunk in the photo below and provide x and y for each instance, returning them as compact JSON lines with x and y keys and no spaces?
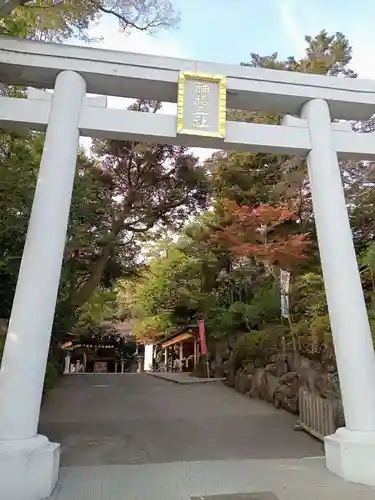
{"x":85,"y":291}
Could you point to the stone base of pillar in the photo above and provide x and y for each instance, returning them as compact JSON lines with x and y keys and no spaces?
{"x":351,"y":455}
{"x":29,"y":468}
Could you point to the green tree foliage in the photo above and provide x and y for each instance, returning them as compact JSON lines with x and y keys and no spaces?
{"x":225,"y":266}
{"x":168,"y":292}
{"x":92,"y":223}
{"x":123,"y":191}
{"x":61,"y":19}
{"x":141,"y":187}
{"x":100,"y":307}
{"x":18,"y":170}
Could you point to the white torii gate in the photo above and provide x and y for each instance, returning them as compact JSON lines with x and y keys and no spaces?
{"x":29,"y":462}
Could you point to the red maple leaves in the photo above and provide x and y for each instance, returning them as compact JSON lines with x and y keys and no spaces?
{"x":263,"y":232}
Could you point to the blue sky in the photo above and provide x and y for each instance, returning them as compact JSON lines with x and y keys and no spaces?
{"x":218,"y":32}
{"x":229,"y":30}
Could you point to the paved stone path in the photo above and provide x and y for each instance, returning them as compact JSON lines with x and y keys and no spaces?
{"x":287,"y":479}
{"x":136,"y":437}
{"x":138,"y":419}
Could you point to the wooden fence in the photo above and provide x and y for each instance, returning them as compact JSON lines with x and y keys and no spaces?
{"x":316,"y":414}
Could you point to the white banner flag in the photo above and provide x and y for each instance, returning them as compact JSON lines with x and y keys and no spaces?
{"x":284,"y":291}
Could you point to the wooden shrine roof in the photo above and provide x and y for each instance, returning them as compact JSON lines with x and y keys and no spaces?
{"x":184,"y":333}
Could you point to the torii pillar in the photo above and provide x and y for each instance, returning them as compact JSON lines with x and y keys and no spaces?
{"x":29,"y":463}
{"x":350,"y":452}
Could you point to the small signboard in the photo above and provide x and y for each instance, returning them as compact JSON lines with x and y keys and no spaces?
{"x":201,"y":106}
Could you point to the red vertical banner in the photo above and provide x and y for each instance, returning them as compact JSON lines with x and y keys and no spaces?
{"x":202,"y":337}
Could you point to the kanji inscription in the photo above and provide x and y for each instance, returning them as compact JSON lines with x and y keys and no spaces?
{"x":201,"y":105}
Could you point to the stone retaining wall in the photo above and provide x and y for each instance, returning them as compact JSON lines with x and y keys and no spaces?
{"x":278,"y":381}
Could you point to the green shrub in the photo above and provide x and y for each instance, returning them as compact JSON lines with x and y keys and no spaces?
{"x":261,"y":344}
{"x":51,"y":377}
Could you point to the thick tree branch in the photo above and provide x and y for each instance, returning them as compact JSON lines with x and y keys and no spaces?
{"x":127,"y":23}
{"x":84,"y":292}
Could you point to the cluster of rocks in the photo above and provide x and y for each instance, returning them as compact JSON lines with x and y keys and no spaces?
{"x":279,"y":380}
